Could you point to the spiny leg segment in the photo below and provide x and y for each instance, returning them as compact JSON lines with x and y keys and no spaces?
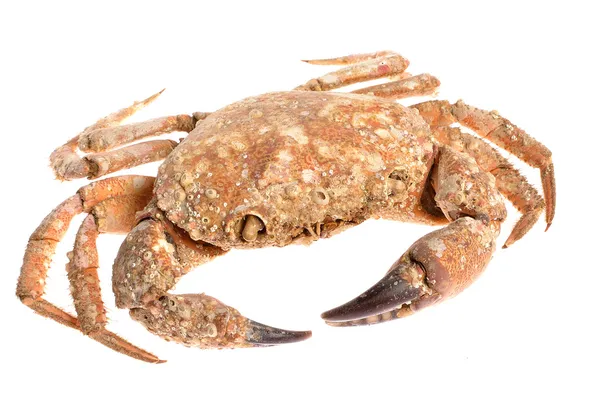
{"x":106,"y":134}
{"x":112,"y":203}
{"x":509,"y":181}
{"x":490,"y":125}
{"x":366,"y":67}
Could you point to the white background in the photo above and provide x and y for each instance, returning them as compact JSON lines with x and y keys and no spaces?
{"x":520,"y":341}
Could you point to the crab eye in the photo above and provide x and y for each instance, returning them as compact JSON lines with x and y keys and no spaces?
{"x":249,"y":228}
{"x":166,"y":301}
{"x":398,"y":182}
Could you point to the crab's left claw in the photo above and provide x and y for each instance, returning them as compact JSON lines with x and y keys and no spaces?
{"x":202,"y":321}
{"x":150,"y":262}
{"x":258,"y":334}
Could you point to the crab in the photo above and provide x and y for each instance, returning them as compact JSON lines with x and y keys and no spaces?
{"x":285,"y":168}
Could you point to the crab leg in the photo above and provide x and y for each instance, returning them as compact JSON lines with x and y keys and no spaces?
{"x":106,"y":134}
{"x":443,"y":263}
{"x":418,"y":85}
{"x":349,"y":59}
{"x":360,"y":70}
{"x":111,"y":137}
{"x":151,"y":261}
{"x":100,"y":197}
{"x":104,"y":163}
{"x":508,"y":180}
{"x":36,"y":262}
{"x":65,"y":162}
{"x":490,"y":125}
{"x":85,"y":289}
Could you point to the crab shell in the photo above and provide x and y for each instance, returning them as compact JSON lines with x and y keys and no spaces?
{"x":307,"y":164}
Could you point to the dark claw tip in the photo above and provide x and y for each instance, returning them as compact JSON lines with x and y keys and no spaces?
{"x":389,"y":293}
{"x":261,"y":334}
{"x":335,"y":314}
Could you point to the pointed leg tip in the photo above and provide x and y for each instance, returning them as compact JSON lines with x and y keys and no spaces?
{"x":153,"y":97}
{"x":548,"y":226}
{"x":315,"y":61}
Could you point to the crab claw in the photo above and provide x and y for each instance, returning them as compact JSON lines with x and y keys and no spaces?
{"x":436,"y":267}
{"x":403,"y":283}
{"x":199,"y":320}
{"x":259,"y":334}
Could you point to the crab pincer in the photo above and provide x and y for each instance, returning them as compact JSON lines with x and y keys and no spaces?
{"x":151,"y":261}
{"x":438,"y":266}
{"x":282,"y":168}
{"x":199,"y":320}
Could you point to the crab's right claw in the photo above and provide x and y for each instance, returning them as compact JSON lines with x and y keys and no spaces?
{"x":401,"y":285}
{"x":203,"y":321}
{"x":438,"y":266}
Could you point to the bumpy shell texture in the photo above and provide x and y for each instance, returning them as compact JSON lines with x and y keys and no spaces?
{"x":307,"y":164}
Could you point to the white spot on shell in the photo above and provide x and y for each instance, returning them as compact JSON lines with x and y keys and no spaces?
{"x":264,"y":130}
{"x":383,"y":134}
{"x":222,"y":152}
{"x":238,"y":146}
{"x":284,"y":155}
{"x":309,"y":176}
{"x":296,"y":133}
{"x":438,"y":246}
{"x":375,"y":162}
